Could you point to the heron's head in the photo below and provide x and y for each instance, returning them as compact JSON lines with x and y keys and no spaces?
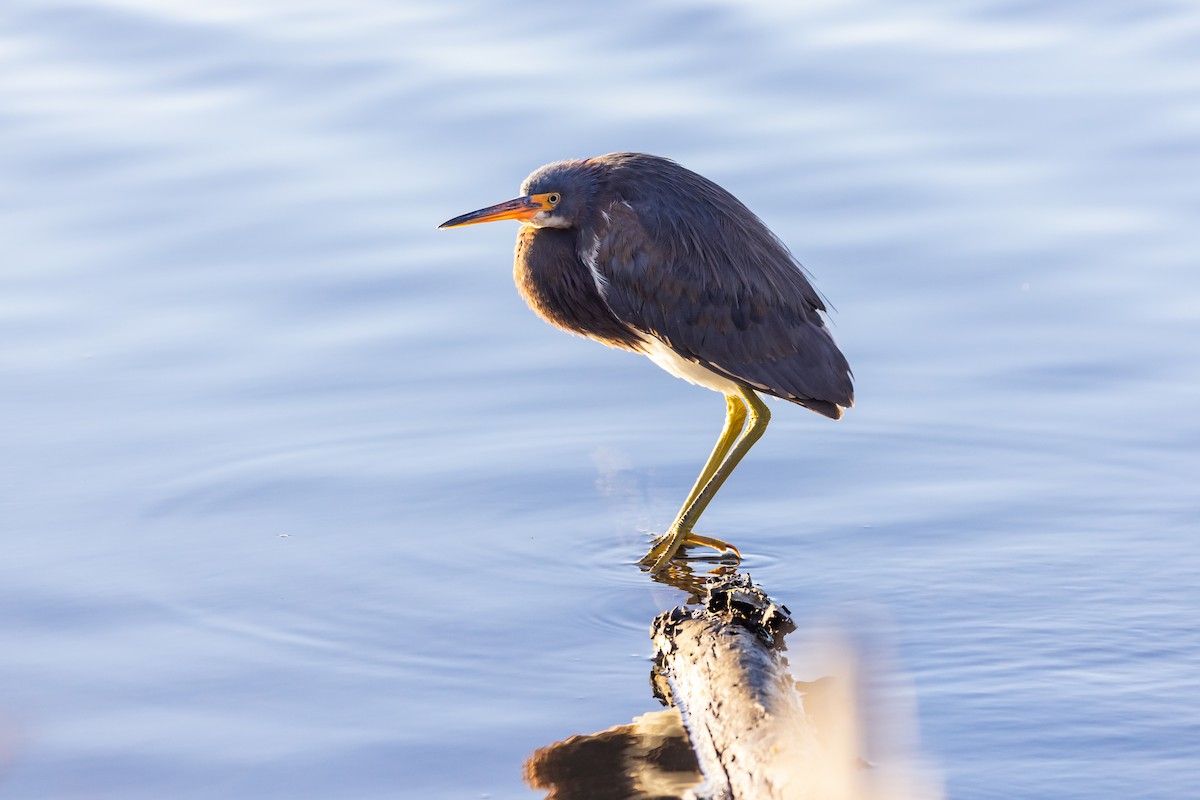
{"x":554,"y":196}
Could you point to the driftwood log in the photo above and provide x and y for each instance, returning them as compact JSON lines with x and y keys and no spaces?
{"x":721,"y":665}
{"x":741,"y":727}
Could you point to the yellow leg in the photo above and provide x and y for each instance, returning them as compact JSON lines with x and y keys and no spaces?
{"x":735,"y":419}
{"x":745,"y":405}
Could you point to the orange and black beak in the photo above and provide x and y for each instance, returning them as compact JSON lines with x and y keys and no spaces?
{"x":518,"y":208}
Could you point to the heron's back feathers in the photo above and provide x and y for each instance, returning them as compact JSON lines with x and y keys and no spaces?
{"x":677,"y":257}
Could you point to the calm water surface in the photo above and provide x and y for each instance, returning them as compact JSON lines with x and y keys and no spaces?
{"x":298,"y":500}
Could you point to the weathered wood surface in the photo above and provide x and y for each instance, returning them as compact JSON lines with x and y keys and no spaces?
{"x":740,"y":718}
{"x":721,"y":665}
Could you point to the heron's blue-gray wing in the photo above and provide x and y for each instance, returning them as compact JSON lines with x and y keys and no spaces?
{"x":728,"y":296}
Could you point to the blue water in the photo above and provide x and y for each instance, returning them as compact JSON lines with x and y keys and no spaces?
{"x":298,"y":500}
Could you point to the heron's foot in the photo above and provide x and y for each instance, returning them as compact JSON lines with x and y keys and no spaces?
{"x":670,"y":544}
{"x":716,"y":544}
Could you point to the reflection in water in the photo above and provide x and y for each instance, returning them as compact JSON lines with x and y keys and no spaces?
{"x":752,"y":727}
{"x":681,"y":574}
{"x":648,"y":758}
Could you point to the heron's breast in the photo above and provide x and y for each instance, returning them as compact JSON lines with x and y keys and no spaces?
{"x":561,"y":290}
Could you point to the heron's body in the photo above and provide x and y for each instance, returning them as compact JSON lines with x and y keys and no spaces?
{"x":638,"y":253}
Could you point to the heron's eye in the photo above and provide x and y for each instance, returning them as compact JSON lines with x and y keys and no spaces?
{"x":552,"y":198}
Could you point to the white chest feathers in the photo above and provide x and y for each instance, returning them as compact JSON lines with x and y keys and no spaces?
{"x":690,"y":371}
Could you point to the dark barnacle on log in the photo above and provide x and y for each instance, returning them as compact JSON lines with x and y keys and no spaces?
{"x":739,"y":601}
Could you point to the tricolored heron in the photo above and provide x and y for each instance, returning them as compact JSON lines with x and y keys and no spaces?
{"x":638,"y":253}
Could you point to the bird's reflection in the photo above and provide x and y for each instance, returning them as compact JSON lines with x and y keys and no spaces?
{"x":693,"y":574}
{"x":648,"y":758}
